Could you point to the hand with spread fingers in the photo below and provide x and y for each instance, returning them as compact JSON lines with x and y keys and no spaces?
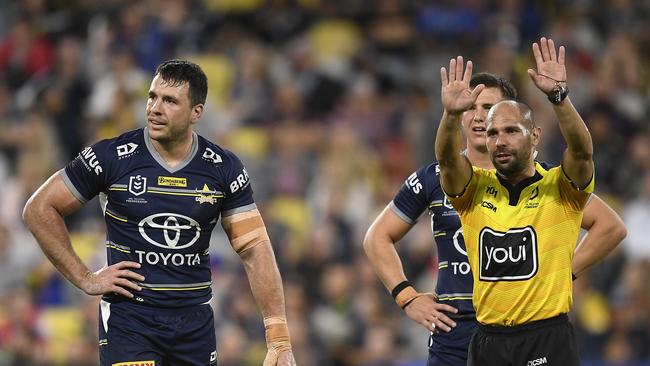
{"x":117,"y":278}
{"x":426,"y":311}
{"x":457,"y":97}
{"x":551,"y":70}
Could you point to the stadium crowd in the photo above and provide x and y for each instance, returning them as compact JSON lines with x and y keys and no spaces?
{"x":331,"y":104}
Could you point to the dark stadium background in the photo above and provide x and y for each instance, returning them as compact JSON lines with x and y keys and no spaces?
{"x":331,"y":104}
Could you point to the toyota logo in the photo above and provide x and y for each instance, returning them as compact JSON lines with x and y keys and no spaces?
{"x":171,"y":226}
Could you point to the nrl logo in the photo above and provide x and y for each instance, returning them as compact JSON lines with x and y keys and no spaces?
{"x":137,"y":185}
{"x":206,"y":195}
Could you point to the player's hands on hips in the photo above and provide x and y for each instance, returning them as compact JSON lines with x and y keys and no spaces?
{"x":429,"y":313}
{"x":284,"y":358}
{"x":117,"y":278}
{"x":551,"y":69}
{"x":457,"y":97}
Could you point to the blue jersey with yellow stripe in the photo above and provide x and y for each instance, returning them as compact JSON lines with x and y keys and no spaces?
{"x":158,"y":215}
{"x":421,"y":192}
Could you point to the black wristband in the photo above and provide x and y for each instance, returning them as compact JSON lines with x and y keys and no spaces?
{"x":573,"y":277}
{"x":558,"y":94}
{"x":400,"y":286}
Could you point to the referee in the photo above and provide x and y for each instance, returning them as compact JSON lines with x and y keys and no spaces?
{"x":520,"y":222}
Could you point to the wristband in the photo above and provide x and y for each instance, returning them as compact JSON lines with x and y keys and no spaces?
{"x":277,"y":333}
{"x":405,"y":297}
{"x":400,"y":286}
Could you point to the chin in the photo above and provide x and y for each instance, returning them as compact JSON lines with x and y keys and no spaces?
{"x":156,"y":135}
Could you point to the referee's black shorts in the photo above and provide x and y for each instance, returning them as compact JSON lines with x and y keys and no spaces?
{"x":547,"y":342}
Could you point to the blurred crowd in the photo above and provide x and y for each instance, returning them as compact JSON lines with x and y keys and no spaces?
{"x":331,"y":104}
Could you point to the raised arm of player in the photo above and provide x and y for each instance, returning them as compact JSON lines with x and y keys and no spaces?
{"x":551,"y":73}
{"x":43,"y":214}
{"x":605,"y":230}
{"x":379,"y":245}
{"x":248,"y":236}
{"x":457,"y":97}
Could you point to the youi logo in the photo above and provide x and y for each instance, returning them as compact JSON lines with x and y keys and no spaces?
{"x":508,"y":256}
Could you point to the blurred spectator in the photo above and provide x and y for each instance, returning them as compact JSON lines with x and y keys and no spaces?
{"x":637,"y":216}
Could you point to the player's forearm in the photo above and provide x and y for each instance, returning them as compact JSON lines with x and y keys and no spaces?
{"x":599,"y":241}
{"x":384,"y":259}
{"x":449,"y":140}
{"x":265,"y":280}
{"x":574,"y":131}
{"x":48,"y":227}
{"x":455,"y":171}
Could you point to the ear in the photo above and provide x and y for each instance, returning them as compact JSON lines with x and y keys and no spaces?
{"x":197,"y":112}
{"x":536,"y":134}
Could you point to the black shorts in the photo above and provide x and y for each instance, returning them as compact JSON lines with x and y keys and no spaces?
{"x":137,"y":335}
{"x":547,"y":342}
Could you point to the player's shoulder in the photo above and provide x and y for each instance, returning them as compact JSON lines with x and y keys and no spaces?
{"x":548,"y":170}
{"x":430,"y":171}
{"x":122,"y":146}
{"x":216,"y":155}
{"x":425,"y":181}
{"x":545,"y":165}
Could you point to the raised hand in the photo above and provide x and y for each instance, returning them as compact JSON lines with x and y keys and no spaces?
{"x":551,"y":70}
{"x":425,"y":311}
{"x":115,"y":278}
{"x":456,"y":95}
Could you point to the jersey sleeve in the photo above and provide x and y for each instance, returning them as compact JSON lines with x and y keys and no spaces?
{"x":412,"y":199}
{"x":85,"y":176}
{"x":573,"y":195}
{"x":463,"y":201}
{"x":239,"y":193}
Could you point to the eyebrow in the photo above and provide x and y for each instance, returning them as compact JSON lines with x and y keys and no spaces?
{"x":164,"y":97}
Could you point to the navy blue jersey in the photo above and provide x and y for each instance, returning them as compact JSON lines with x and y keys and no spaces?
{"x":159,"y":216}
{"x":422,"y":192}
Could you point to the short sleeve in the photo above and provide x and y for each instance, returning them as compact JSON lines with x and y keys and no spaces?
{"x":463,"y":201}
{"x":239,"y":193}
{"x":576,"y":198}
{"x":412,"y":199}
{"x":85,"y":176}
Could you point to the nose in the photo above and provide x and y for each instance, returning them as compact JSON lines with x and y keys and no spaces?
{"x":500,"y":140}
{"x":153,"y":106}
{"x":479,"y":114}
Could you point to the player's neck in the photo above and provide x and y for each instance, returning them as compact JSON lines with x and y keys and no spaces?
{"x":516,"y":177}
{"x":173,"y":152}
{"x":479,"y":159}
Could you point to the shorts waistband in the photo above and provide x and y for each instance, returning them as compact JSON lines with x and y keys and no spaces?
{"x":461,"y":317}
{"x":498,"y":329}
{"x":147,"y":309}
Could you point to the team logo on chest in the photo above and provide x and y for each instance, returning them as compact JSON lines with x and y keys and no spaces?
{"x":206,"y":195}
{"x":137,"y":185}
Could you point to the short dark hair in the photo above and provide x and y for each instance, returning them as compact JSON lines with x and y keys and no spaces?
{"x":177,"y":72}
{"x":492,"y":81}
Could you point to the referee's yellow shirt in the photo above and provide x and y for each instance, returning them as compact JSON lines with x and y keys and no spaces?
{"x":520,"y":242}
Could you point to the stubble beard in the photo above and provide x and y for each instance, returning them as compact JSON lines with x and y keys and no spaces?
{"x":514,"y":168}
